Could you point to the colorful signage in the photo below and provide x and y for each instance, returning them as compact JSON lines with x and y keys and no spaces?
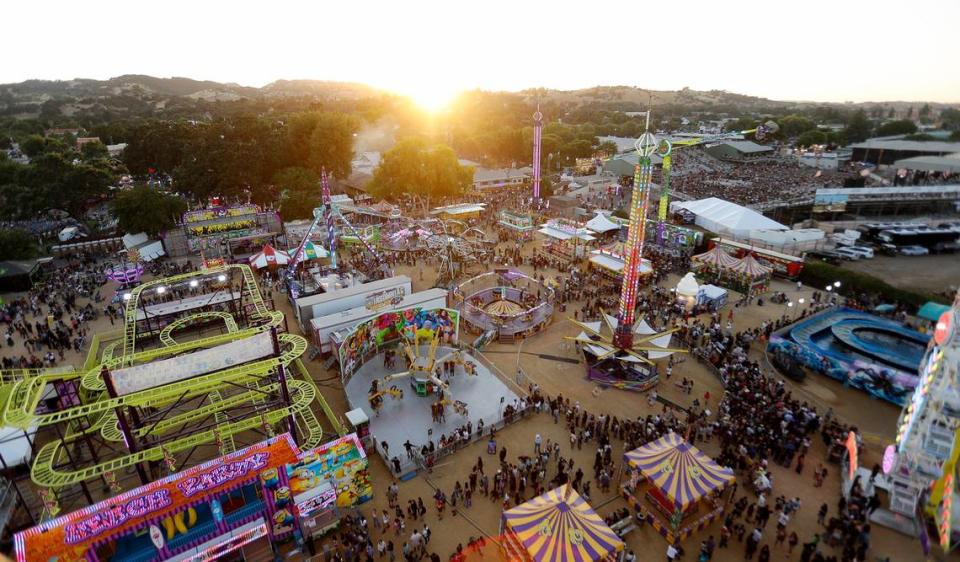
{"x":336,"y":471}
{"x":385,"y":298}
{"x":69,"y":537}
{"x":116,"y":515}
{"x":389,"y":327}
{"x":219,"y":212}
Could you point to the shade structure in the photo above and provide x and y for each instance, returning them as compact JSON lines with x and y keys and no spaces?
{"x":682,"y":472}
{"x":600,"y":223}
{"x":717,"y":257}
{"x":311,"y":251}
{"x":750,"y":267}
{"x":269,"y":256}
{"x":560,"y":526}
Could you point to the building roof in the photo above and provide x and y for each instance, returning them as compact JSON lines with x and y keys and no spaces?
{"x":747,"y":147}
{"x":493,"y":174}
{"x":908,"y":145}
{"x":946,"y":163}
{"x":459,"y":209}
{"x":719,"y":215}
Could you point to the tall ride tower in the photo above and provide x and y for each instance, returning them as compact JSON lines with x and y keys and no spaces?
{"x":537,"y":134}
{"x":647,"y":145}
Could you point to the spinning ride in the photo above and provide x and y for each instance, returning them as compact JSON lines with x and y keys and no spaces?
{"x":127,"y":273}
{"x":424,"y":378}
{"x":456,"y":244}
{"x":617,"y":359}
{"x":506,"y":301}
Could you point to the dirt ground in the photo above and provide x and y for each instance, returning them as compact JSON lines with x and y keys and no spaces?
{"x":875,"y":418}
{"x":932,"y":273}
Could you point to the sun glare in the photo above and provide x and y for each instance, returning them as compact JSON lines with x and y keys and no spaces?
{"x":430,"y":97}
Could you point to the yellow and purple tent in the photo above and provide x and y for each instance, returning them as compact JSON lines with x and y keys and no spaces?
{"x":560,"y":526}
{"x":682,"y":473}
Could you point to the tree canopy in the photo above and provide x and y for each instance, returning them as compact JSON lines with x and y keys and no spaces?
{"x":145,"y":209}
{"x":414,"y":166}
{"x":901,"y":127}
{"x":858,"y":128}
{"x":810,"y":138}
{"x":17,"y":245}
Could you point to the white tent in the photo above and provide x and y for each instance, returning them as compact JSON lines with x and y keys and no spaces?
{"x":724,"y":217}
{"x":601,"y":224}
{"x":148,"y":249}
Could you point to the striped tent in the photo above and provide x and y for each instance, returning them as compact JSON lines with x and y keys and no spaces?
{"x":683,"y":473}
{"x":269,"y":256}
{"x":750,"y":267}
{"x":560,"y":526}
{"x":717,"y":257}
{"x":311,"y":251}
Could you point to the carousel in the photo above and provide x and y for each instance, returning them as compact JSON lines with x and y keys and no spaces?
{"x":559,"y":526}
{"x":682,"y":488}
{"x":505,"y":301}
{"x":746,"y":275}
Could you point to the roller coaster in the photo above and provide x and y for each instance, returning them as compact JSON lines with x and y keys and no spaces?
{"x":200,"y":395}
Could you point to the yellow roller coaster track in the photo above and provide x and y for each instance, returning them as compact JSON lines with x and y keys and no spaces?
{"x":22,"y":390}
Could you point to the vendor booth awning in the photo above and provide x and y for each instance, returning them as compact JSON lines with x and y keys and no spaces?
{"x":678,"y":469}
{"x":614,"y":262}
{"x":558,"y":234}
{"x":932,"y":311}
{"x":601,"y":224}
{"x":311,"y":251}
{"x":560,"y":526}
{"x":269,"y":256}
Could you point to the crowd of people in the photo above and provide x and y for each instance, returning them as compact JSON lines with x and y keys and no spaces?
{"x":770,"y":179}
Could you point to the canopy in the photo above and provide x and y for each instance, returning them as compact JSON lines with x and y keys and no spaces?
{"x":751,"y":267}
{"x":601,"y":224}
{"x":717,"y":257}
{"x":679,"y":470}
{"x":553,"y":232}
{"x":931,"y":163}
{"x":711,"y":292}
{"x":688,"y":286}
{"x":311,"y":251}
{"x":724,"y":217}
{"x":269,"y":256}
{"x":560,"y":526}
{"x":932,"y":311}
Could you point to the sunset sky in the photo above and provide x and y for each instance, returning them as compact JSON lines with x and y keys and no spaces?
{"x":812,"y":50}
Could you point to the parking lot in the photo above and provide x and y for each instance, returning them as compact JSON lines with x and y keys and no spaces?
{"x":932,"y":273}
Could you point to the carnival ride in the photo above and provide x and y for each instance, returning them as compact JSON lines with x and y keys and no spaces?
{"x":330,"y":214}
{"x":424,"y":378}
{"x":922,"y":465}
{"x":137,"y":405}
{"x":506,"y":301}
{"x":127,"y":273}
{"x":625,"y":370}
{"x":456,"y":244}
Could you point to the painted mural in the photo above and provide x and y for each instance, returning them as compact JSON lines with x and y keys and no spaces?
{"x":389,"y":327}
{"x":342,"y":463}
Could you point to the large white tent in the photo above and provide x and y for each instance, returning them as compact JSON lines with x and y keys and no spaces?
{"x":601,"y":224}
{"x":726,"y":218}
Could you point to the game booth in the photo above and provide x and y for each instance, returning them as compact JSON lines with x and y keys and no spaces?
{"x":567,"y":239}
{"x":682,"y":488}
{"x":610,"y":262}
{"x":559,"y":526}
{"x":252,"y":501}
{"x":515,"y":221}
{"x":506,"y":301}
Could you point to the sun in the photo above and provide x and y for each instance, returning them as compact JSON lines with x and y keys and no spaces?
{"x":431,"y":97}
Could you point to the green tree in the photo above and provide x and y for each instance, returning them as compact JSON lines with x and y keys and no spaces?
{"x":331,"y":143}
{"x":950,"y":118}
{"x":413,"y":166}
{"x":811,"y":138}
{"x":94,"y":151}
{"x":795,"y":125}
{"x":35,"y":145}
{"x":144,"y":209}
{"x":17,"y":245}
{"x":299,"y":192}
{"x":858,"y":128}
{"x":901,"y":127}
{"x":608,"y":147}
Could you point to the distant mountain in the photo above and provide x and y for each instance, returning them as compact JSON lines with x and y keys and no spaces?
{"x":137,"y":95}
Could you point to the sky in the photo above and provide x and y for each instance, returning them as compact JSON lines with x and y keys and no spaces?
{"x":836,"y":50}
